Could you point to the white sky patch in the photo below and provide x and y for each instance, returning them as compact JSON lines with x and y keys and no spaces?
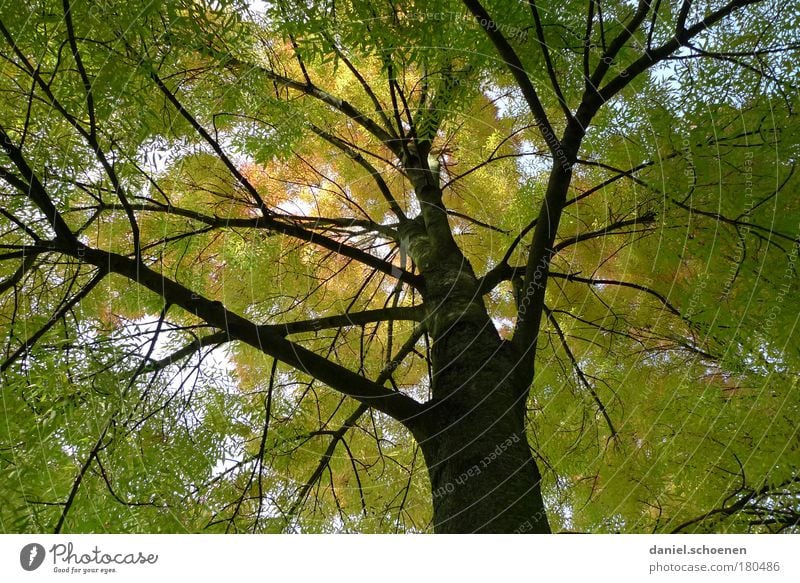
{"x":507,"y":101}
{"x":257,"y":7}
{"x":296,"y":206}
{"x":414,"y":209}
{"x":158,"y":154}
{"x":501,"y":323}
{"x":169,"y":340}
{"x":533,"y":166}
{"x":231,"y":456}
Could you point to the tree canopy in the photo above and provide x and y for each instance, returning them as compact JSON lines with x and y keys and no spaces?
{"x":399,"y":266}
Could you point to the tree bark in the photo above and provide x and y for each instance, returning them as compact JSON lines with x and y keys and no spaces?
{"x":484,"y":478}
{"x":490,"y":486}
{"x":472,"y":432}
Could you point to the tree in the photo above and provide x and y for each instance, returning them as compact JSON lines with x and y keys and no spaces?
{"x":403,"y":266}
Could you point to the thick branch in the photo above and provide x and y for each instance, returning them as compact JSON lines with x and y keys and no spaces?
{"x":628,"y":29}
{"x":296,"y":231}
{"x":551,"y":72}
{"x":214,"y":339}
{"x":338,"y":321}
{"x":351,"y":319}
{"x":364,"y":163}
{"x":246,"y":184}
{"x":337,"y":103}
{"x":264,"y":338}
{"x":30,"y":186}
{"x":514,"y":64}
{"x":651,"y":57}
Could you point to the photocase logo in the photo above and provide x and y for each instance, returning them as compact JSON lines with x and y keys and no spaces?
{"x":31,"y":556}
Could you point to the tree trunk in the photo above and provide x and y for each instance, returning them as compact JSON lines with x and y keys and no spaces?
{"x":488,"y":486}
{"x":483,"y":475}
